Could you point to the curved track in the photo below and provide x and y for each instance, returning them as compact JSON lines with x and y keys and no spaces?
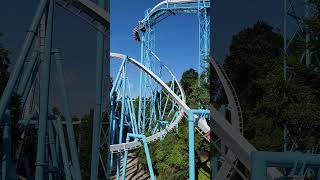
{"x":228,"y":134}
{"x":226,"y":170}
{"x":167,"y":8}
{"x":181,"y":102}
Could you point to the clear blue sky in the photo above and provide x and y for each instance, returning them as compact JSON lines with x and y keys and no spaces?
{"x":177,"y":37}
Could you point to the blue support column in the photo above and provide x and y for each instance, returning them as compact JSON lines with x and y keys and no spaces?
{"x":28,"y":73}
{"x":261,"y":160}
{"x":146,"y":149}
{"x":44,"y":96}
{"x":97,"y":117}
{"x":29,"y":84}
{"x":141,"y":85}
{"x":124,"y":167}
{"x":53,"y":151}
{"x":191,"y":121}
{"x":191,"y":145}
{"x":122,"y":101}
{"x":123,"y":91}
{"x":65,"y":159}
{"x":214,"y":166}
{"x":68,"y":117}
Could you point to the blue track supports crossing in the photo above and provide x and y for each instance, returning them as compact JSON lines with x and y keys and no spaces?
{"x":191,"y":122}
{"x":61,"y":139}
{"x":44,"y":95}
{"x":26,"y":77}
{"x":261,"y":160}
{"x":67,"y":115}
{"x":97,"y":117}
{"x":214,"y":166}
{"x":23,"y":54}
{"x":146,"y":150}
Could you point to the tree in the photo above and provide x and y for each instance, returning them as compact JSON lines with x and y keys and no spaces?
{"x":268,"y":101}
{"x":250,"y":52}
{"x":188,"y":79}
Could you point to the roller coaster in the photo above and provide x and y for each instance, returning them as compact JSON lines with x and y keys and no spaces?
{"x":132,"y":122}
{"x":156,"y":98}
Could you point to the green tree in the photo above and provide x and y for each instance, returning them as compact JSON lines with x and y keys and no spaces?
{"x":188,"y":79}
{"x":268,"y":102}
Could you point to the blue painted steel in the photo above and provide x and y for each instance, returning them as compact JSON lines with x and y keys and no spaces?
{"x":122,"y":102}
{"x":28,"y":73}
{"x":29,"y":84}
{"x":214,"y":166}
{"x":122,"y":113}
{"x":116,"y":82}
{"x":97,"y":117}
{"x":44,"y":95}
{"x":66,"y":166}
{"x":141,"y":85}
{"x":191,"y":145}
{"x":23,"y":54}
{"x":146,"y":150}
{"x":260,"y":160}
{"x":191,"y":121}
{"x":133,"y":117}
{"x":302,"y":31}
{"x":67,"y":116}
{"x":53,"y":152}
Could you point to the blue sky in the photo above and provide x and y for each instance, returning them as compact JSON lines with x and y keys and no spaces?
{"x":176,"y":37}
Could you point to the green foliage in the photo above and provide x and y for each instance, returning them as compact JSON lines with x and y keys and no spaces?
{"x":188,"y":79}
{"x":251,"y":51}
{"x":268,"y":102}
{"x":84,"y":135}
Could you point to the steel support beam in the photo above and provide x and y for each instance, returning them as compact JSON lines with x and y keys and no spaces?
{"x":97,"y":117}
{"x":146,"y":150}
{"x":23,"y":54}
{"x":261,"y":160}
{"x":44,"y":96}
{"x":67,"y":115}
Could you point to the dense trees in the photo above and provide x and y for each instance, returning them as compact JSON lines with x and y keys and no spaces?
{"x":270,"y":103}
